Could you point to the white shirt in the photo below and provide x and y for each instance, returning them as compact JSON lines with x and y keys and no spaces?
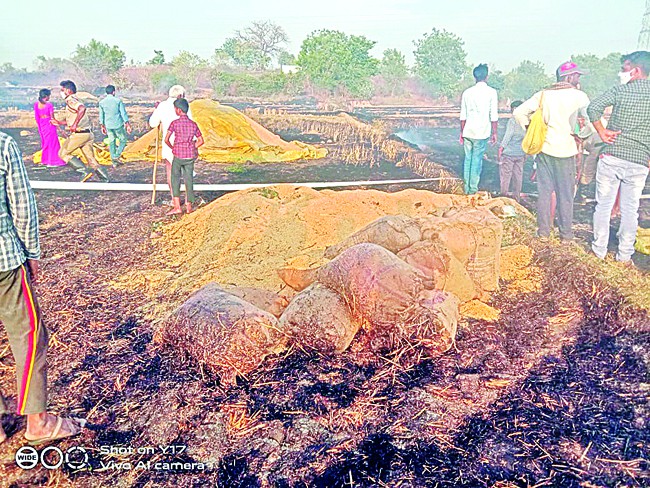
{"x":560,"y":108}
{"x":164,"y":114}
{"x":479,"y":107}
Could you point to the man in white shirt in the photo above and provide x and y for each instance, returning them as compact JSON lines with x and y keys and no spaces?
{"x":478,"y":118}
{"x":562,"y":103}
{"x":163,"y":115}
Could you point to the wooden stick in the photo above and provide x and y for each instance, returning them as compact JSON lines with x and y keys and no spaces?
{"x":155,"y":168}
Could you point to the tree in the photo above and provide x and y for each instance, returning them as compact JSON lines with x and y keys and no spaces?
{"x":264,"y":36}
{"x":393,"y":70}
{"x":497,"y":80}
{"x":162,"y":81}
{"x":440,"y":60}
{"x":7,"y":68}
{"x":285,"y":58}
{"x":158,"y":59}
{"x":97,"y":58}
{"x":187,"y":67}
{"x":526,"y":79}
{"x":54,"y":65}
{"x":338,"y":62}
{"x":602,"y":72}
{"x":242,"y":54}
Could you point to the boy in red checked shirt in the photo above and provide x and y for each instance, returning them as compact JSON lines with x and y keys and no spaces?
{"x":187,"y":140}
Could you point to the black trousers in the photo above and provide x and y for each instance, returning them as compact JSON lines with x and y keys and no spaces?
{"x":184,"y":168}
{"x":555,"y":175}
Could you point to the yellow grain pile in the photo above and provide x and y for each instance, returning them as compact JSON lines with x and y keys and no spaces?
{"x":476,"y":309}
{"x":230,"y":137}
{"x":518,"y":272}
{"x":244,"y":237}
{"x":102,"y":154}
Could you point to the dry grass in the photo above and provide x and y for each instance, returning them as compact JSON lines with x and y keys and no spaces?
{"x":357,"y":142}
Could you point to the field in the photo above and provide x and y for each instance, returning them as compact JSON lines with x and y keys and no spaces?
{"x":554,"y":393}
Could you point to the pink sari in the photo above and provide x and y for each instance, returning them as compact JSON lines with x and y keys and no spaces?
{"x":49,"y":137}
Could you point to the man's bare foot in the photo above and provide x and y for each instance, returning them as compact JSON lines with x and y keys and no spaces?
{"x":174,"y":211}
{"x":46,"y":426}
{"x":188,"y":207}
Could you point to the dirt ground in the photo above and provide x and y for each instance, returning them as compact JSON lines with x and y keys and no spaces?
{"x":554,"y":393}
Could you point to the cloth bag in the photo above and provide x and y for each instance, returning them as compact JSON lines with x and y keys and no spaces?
{"x":536,"y":132}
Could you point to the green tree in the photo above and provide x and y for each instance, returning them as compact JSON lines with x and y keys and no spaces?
{"x":54,"y":65}
{"x":338,"y":62}
{"x":98,"y":58}
{"x":162,"y":81}
{"x":393,"y":70}
{"x":285,"y":58}
{"x":158,"y":59}
{"x":7,"y":68}
{"x":440,"y":60}
{"x":497,"y":80}
{"x":242,"y":54}
{"x":602,"y":72}
{"x":187,"y":67}
{"x":526,"y":79}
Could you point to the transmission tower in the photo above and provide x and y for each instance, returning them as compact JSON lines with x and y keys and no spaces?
{"x":644,"y":37}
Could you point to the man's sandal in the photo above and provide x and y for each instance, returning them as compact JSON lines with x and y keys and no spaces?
{"x":56,"y":434}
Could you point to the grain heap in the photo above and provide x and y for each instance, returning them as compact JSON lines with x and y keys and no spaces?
{"x":243,"y":239}
{"x":230,"y":137}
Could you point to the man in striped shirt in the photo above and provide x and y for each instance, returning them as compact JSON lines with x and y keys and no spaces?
{"x":19,"y":311}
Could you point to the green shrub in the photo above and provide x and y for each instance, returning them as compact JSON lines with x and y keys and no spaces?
{"x":256,"y":85}
{"x":162,"y":81}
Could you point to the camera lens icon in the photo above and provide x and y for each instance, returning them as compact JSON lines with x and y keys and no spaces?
{"x":77,"y":458}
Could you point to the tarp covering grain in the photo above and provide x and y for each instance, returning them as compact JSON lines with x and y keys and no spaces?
{"x":230,"y":137}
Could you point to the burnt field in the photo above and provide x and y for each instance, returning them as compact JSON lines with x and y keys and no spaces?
{"x":555,"y":393}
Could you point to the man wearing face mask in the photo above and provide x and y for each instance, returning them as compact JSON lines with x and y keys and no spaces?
{"x":624,"y":159}
{"x":81,"y":136}
{"x":562,"y":104}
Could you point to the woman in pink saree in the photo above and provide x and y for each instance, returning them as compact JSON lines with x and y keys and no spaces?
{"x":44,"y":113}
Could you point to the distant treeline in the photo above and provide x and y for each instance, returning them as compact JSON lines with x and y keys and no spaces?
{"x":254,"y":63}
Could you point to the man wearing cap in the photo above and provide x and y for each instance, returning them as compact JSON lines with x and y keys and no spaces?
{"x":561,"y":104}
{"x":81,"y":135}
{"x":624,"y":159}
{"x":478,"y":122}
{"x":163,"y":115}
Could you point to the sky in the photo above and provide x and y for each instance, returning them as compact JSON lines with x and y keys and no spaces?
{"x":499,"y":32}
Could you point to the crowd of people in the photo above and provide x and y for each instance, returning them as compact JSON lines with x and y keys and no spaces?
{"x":19,"y":235}
{"x":613,"y":129}
{"x":178,"y":152}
